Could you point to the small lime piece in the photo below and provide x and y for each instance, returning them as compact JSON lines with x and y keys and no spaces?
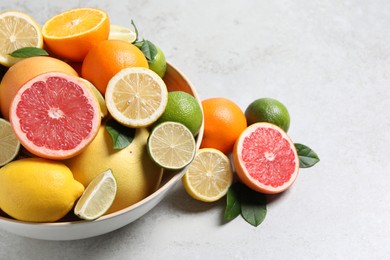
{"x":97,"y":197}
{"x":209,"y":175}
{"x":9,"y":143}
{"x":171,"y":145}
{"x":159,"y":63}
{"x":183,"y":108}
{"x":122,"y":33}
{"x":268,"y":110}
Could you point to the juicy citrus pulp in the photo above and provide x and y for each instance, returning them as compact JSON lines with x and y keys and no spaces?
{"x":171,"y":145}
{"x":183,"y":108}
{"x":17,"y":30}
{"x":9,"y":143}
{"x":265,"y":158}
{"x":97,"y":197}
{"x":209,"y":175}
{"x":136,"y":97}
{"x":23,"y":71}
{"x":55,"y":116}
{"x":38,"y":190}
{"x":268,"y":110}
{"x":122,"y":33}
{"x":71,"y":34}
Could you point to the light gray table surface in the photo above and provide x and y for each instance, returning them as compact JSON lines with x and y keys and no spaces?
{"x":329,"y":63}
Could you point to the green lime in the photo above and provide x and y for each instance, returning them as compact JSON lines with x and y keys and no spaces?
{"x":159,"y":64}
{"x":171,"y":145}
{"x":268,"y":110}
{"x":183,"y":108}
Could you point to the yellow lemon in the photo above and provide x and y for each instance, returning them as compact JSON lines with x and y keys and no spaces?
{"x":37,"y":190}
{"x":136,"y":175}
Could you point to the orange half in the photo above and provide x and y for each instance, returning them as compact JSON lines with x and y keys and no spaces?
{"x":71,"y":34}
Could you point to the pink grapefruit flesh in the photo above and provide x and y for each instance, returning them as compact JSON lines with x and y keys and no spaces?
{"x":265,"y":158}
{"x":55,"y":115}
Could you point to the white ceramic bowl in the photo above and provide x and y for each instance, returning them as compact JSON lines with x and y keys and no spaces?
{"x":79,"y":229}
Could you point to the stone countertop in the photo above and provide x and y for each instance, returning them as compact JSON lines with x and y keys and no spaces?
{"x":328,"y":62}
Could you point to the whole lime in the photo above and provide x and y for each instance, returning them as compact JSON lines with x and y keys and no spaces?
{"x":159,"y":64}
{"x":183,"y":108}
{"x":268,"y":110}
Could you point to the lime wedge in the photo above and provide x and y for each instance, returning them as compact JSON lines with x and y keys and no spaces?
{"x":97,"y":197}
{"x":122,"y":33}
{"x":171,"y":145}
{"x":9,"y":143}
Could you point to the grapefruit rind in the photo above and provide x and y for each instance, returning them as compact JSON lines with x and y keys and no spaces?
{"x":242,"y":171}
{"x":48,"y":153}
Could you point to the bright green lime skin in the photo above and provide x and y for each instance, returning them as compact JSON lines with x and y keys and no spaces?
{"x":159,"y":64}
{"x":268,"y":110}
{"x":182,"y":108}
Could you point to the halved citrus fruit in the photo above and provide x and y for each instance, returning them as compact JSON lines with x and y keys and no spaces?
{"x":9,"y":143}
{"x":209,"y":175}
{"x":55,"y":115}
{"x":136,"y":97}
{"x":97,"y":197}
{"x":71,"y":34}
{"x":17,"y":30}
{"x":265,"y":158}
{"x":171,"y":145}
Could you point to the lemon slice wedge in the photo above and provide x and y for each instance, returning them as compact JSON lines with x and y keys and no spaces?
{"x":97,"y":197}
{"x":118,"y":32}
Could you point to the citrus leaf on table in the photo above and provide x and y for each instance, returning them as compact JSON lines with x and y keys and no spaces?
{"x":253,"y":206}
{"x":121,"y":135}
{"x":28,"y":52}
{"x":307,"y":157}
{"x":233,"y":205}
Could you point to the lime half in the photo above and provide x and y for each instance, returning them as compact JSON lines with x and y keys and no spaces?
{"x":171,"y":145}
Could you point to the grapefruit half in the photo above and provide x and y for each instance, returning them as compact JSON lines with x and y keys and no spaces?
{"x":55,"y":115}
{"x":265,"y":158}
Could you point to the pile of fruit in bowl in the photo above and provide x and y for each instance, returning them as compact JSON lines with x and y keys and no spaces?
{"x":87,"y":131}
{"x":97,"y":127}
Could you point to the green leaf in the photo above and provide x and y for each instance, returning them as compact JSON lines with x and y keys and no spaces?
{"x":28,"y":52}
{"x":307,"y":157}
{"x":121,"y":135}
{"x":148,"y":49}
{"x":253,"y":206}
{"x":233,"y":205}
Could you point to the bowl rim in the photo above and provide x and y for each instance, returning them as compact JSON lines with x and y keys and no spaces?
{"x":162,"y":189}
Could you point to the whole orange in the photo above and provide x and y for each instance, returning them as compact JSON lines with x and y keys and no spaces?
{"x":22,"y":72}
{"x":108,"y":58}
{"x":224,"y":121}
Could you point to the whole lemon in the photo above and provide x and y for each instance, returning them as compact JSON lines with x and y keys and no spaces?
{"x":136,"y":175}
{"x":38,"y":190}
